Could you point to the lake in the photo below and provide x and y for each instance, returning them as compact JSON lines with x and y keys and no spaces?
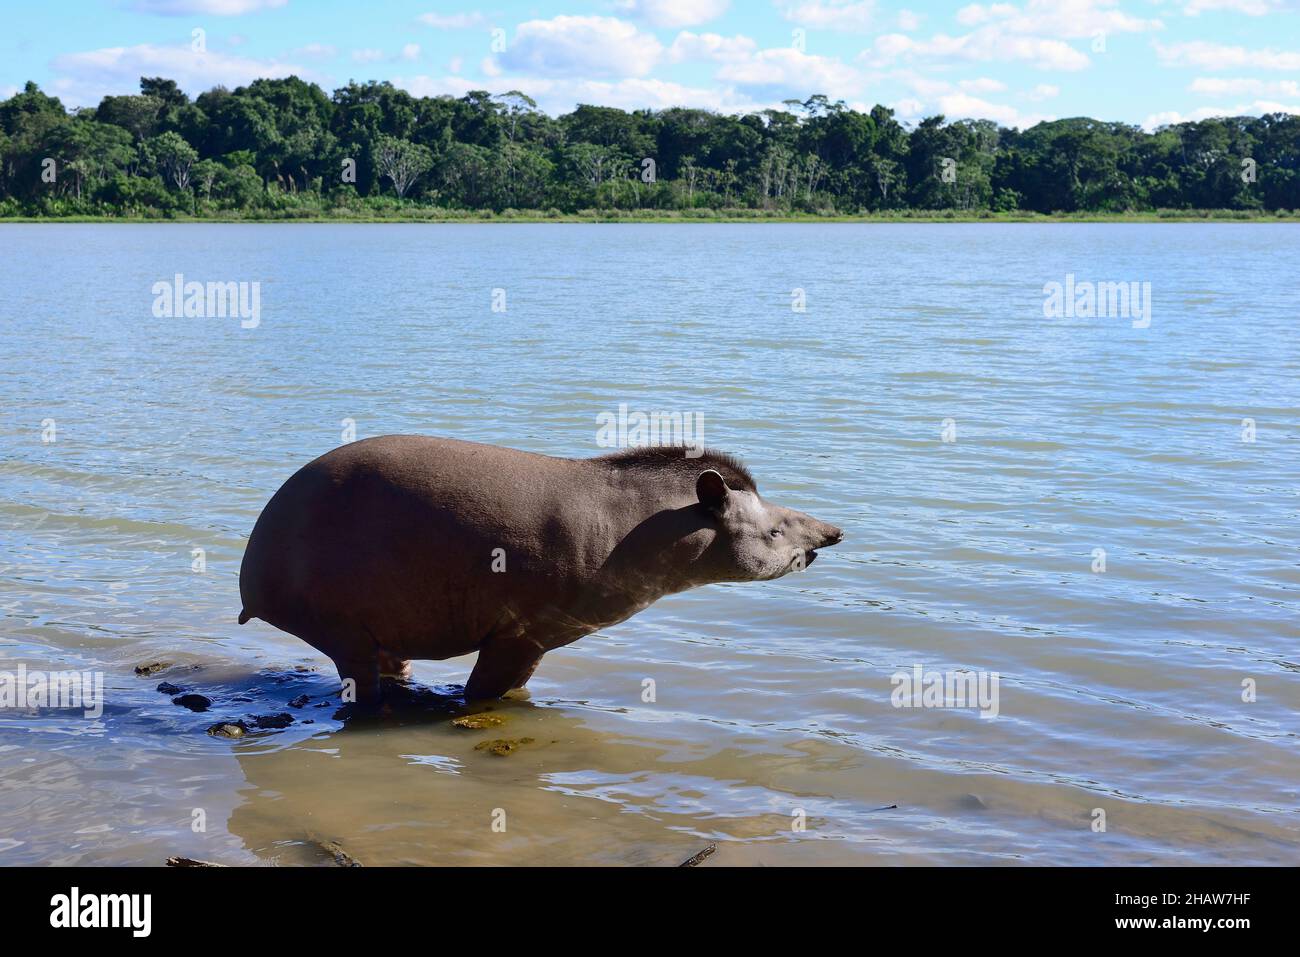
{"x":1095,"y":510}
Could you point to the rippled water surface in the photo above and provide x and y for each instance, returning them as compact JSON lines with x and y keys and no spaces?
{"x":1120,"y":690}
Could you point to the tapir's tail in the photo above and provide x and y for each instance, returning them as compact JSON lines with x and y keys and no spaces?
{"x":244,"y":616}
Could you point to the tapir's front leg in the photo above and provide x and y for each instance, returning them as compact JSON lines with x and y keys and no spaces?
{"x":360,"y":677}
{"x":504,"y":662}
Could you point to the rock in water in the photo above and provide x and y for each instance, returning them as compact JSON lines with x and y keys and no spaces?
{"x":195,"y":702}
{"x":228,"y":729}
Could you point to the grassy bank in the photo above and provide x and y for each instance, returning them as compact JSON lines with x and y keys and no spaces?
{"x":421,"y":214}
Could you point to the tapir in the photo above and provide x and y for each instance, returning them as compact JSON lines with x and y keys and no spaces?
{"x":407,"y":547}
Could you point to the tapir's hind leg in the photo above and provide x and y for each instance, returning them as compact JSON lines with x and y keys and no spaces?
{"x":502,"y":665}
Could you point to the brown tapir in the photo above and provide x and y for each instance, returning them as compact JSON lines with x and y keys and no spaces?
{"x":404,"y":546}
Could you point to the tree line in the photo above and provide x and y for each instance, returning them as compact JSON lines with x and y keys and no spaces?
{"x":286,"y":147}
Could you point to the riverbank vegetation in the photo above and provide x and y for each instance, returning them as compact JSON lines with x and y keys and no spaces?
{"x":284,"y":149}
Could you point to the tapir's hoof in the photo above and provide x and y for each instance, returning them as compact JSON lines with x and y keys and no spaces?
{"x":391,"y":666}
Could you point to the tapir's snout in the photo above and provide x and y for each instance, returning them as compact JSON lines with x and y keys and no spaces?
{"x":823,"y":535}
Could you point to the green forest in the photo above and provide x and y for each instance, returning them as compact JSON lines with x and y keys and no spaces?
{"x":286,"y":149}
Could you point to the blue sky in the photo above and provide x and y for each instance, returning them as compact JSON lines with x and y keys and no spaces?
{"x":1140,"y":61}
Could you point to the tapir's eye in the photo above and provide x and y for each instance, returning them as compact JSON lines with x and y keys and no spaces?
{"x":776,"y":533}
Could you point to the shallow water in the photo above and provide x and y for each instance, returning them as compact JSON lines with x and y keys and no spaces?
{"x":1119,"y":690}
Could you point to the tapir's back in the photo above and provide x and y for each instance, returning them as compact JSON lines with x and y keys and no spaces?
{"x":412,"y":539}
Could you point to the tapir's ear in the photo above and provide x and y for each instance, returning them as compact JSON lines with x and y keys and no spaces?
{"x":711,"y":489}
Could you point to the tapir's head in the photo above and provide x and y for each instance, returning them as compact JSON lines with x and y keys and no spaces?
{"x":756,"y":540}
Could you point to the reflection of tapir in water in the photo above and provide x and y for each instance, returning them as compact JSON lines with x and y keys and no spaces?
{"x":442,"y":787}
{"x":404,"y":547}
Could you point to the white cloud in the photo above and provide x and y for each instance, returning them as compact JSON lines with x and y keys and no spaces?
{"x":409,"y":52}
{"x":84,"y":78}
{"x":675,"y":13}
{"x":453,"y":21}
{"x":489,"y":67}
{"x":1169,"y":118}
{"x":1036,"y":32}
{"x":983,"y":45}
{"x":640,"y":93}
{"x":560,"y":95}
{"x":1044,"y":91}
{"x":709,"y":46}
{"x":958,"y":106}
{"x":982,"y":84}
{"x":908,"y":21}
{"x":1218,"y":56}
{"x":581,"y":46}
{"x":1070,"y":19}
{"x":1254,"y":108}
{"x":785,"y":68}
{"x":216,"y":8}
{"x":924,"y":86}
{"x":958,"y":101}
{"x":422,"y":85}
{"x":1219,"y":86}
{"x":1251,"y":8}
{"x":909,"y":108}
{"x":854,"y":16}
{"x":317,"y":51}
{"x":977,"y":13}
